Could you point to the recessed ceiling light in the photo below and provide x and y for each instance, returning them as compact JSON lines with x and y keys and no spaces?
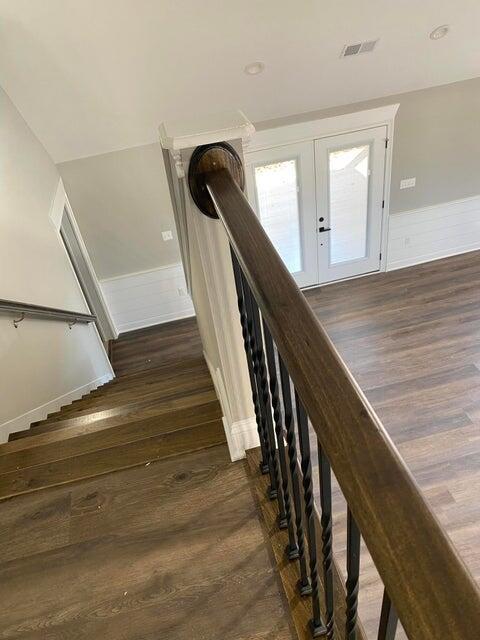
{"x":440,"y":32}
{"x":254,"y":68}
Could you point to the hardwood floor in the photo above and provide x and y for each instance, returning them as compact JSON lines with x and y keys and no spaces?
{"x":170,"y":550}
{"x":155,"y":346}
{"x":412,"y":340}
{"x":168,"y":546}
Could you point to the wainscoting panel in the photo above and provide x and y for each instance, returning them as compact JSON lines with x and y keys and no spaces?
{"x":433,"y":232}
{"x":150,"y":297}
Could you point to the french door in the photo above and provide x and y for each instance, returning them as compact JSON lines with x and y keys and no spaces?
{"x":350,"y":172}
{"x":281,"y":190}
{"x":320,"y":203}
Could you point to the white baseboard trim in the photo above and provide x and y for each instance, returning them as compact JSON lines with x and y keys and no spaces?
{"x":40,"y":413}
{"x":143,"y":299}
{"x":432,"y":233}
{"x":150,"y":322}
{"x":241,"y":435}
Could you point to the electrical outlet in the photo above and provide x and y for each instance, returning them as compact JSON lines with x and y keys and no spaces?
{"x":167,"y":235}
{"x":407,"y":183}
{"x":182,"y":291}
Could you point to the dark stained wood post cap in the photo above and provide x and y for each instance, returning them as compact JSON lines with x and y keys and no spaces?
{"x":210,"y":158}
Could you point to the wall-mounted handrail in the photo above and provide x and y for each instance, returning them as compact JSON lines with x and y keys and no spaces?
{"x":26,"y":310}
{"x":430,"y":587}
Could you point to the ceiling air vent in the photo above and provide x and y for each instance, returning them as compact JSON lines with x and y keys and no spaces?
{"x":360,"y":47}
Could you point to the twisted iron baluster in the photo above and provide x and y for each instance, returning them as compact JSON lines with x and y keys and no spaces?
{"x":326,"y":523}
{"x":303,"y":583}
{"x":316,"y":625}
{"x":353,"y":575}
{"x":272,"y":491}
{"x":265,"y":396}
{"x":388,"y":619}
{"x":277,"y":418}
{"x":246,"y":344}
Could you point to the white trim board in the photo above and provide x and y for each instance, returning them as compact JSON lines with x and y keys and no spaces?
{"x":40,"y":413}
{"x":242,"y":434}
{"x":321,"y":128}
{"x":434,"y":232}
{"x":142,"y":299}
{"x":59,"y":204}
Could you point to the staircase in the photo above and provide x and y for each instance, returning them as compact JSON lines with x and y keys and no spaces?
{"x":142,"y":416}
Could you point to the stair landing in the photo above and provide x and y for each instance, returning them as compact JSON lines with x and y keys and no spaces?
{"x":171,"y":550}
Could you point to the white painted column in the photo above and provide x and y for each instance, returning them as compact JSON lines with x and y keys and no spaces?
{"x":210,"y":276}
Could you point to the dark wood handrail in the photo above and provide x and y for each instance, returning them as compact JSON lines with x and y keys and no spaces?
{"x":432,"y":590}
{"x":47,"y":313}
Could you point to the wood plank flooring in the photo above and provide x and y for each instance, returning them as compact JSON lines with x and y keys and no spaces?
{"x":155,"y":346}
{"x":172,"y":550}
{"x":412,"y":340}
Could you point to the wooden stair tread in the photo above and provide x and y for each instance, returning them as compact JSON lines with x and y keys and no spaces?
{"x":129,"y":382}
{"x":159,"y":403}
{"x":154,"y":411}
{"x":111,"y":459}
{"x":185,"y":382}
{"x":55,"y":445}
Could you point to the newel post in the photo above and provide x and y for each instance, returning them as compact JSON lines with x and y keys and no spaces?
{"x":208,"y":269}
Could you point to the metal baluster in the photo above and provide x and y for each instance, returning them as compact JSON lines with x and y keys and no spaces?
{"x":353,"y":576}
{"x":246,"y":343}
{"x":277,"y":418}
{"x":272,"y":490}
{"x":326,"y":522}
{"x":388,"y":619}
{"x":304,"y":583}
{"x":316,"y":625}
{"x":265,"y":398}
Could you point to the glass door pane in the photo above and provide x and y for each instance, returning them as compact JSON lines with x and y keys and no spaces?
{"x":277,"y":207}
{"x":281,"y":190}
{"x":350,"y":171}
{"x":348,"y":199}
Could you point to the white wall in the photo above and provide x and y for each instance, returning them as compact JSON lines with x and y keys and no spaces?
{"x":150,"y":297}
{"x":43,"y":364}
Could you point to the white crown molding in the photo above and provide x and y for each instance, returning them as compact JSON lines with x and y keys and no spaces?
{"x":216,"y":128}
{"x":322,"y":128}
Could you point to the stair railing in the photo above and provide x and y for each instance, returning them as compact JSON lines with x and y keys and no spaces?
{"x":26,"y":310}
{"x":298,"y":378}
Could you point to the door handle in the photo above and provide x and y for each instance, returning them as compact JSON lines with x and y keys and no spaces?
{"x":323,"y":229}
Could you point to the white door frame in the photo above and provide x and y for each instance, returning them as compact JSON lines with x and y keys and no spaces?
{"x":375,"y":139}
{"x":331,"y":126}
{"x":59,"y":205}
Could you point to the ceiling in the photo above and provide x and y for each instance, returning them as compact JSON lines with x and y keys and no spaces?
{"x":91,"y":76}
